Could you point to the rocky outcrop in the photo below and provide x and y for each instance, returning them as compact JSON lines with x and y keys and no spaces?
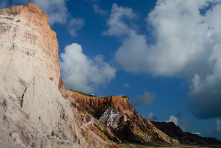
{"x":32,"y":109}
{"x":121,"y":118}
{"x":97,"y":106}
{"x":185,"y":138}
{"x":95,"y":133}
{"x":35,"y":108}
{"x":109,"y":116}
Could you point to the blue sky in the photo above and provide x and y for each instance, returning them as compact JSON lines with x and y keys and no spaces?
{"x":164,"y":55}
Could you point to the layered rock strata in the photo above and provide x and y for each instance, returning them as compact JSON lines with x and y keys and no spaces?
{"x":32,"y":109}
{"x":95,"y":133}
{"x":121,"y":118}
{"x":109,"y":116}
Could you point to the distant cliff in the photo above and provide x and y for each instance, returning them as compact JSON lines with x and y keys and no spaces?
{"x":128,"y":126}
{"x":185,"y":138}
{"x":125,"y":124}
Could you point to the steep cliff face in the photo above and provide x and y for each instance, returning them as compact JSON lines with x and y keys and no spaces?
{"x":95,"y":133}
{"x":128,"y":126}
{"x":32,"y":109}
{"x":96,"y":106}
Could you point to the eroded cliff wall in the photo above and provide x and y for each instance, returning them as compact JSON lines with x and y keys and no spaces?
{"x":32,"y":109}
{"x":129,"y":126}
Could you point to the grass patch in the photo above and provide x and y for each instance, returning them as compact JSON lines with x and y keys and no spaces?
{"x":89,"y":95}
{"x":155,"y":144}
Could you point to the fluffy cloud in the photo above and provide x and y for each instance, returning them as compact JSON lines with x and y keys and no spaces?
{"x":126,"y":85}
{"x":185,"y":43}
{"x":187,"y":121}
{"x":152,"y":117}
{"x":172,"y":119}
{"x":146,"y":98}
{"x":82,"y":73}
{"x":115,"y":22}
{"x":74,"y":25}
{"x":99,"y":10}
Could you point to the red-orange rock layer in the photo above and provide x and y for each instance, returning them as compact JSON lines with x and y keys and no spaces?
{"x":135,"y":129}
{"x":96,"y":106}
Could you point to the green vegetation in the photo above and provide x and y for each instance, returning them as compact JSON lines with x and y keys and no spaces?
{"x":89,"y":95}
{"x":151,"y":143}
{"x":124,"y":97}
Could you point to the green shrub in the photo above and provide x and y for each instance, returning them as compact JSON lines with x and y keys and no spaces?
{"x":124,"y":97}
{"x":90,"y":95}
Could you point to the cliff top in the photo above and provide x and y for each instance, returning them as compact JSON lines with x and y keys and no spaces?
{"x":71,"y":92}
{"x":15,"y":10}
{"x":30,"y":12}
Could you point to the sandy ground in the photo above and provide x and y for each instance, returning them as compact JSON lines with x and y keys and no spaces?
{"x":9,"y":146}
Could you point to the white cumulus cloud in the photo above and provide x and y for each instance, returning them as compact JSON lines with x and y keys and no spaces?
{"x":146,"y":98}
{"x":74,"y":25}
{"x":185,"y":43}
{"x":173,"y":119}
{"x":115,"y":22}
{"x":81,"y":73}
{"x":98,"y":10}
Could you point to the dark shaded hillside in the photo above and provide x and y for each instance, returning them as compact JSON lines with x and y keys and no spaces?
{"x":183,"y":137}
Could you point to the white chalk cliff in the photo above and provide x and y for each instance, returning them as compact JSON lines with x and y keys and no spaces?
{"x":33,"y":112}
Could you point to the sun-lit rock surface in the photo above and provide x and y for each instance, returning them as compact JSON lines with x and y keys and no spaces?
{"x":109,"y":116}
{"x":32,"y":109}
{"x":127,"y":125}
{"x":94,"y":131}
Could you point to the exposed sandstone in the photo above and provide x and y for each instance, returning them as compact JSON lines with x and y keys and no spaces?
{"x":94,"y":131}
{"x":32,"y":109}
{"x":129,"y":126}
{"x":96,"y":106}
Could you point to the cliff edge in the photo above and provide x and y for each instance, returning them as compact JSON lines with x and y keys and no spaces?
{"x":121,"y":118}
{"x":32,"y":109}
